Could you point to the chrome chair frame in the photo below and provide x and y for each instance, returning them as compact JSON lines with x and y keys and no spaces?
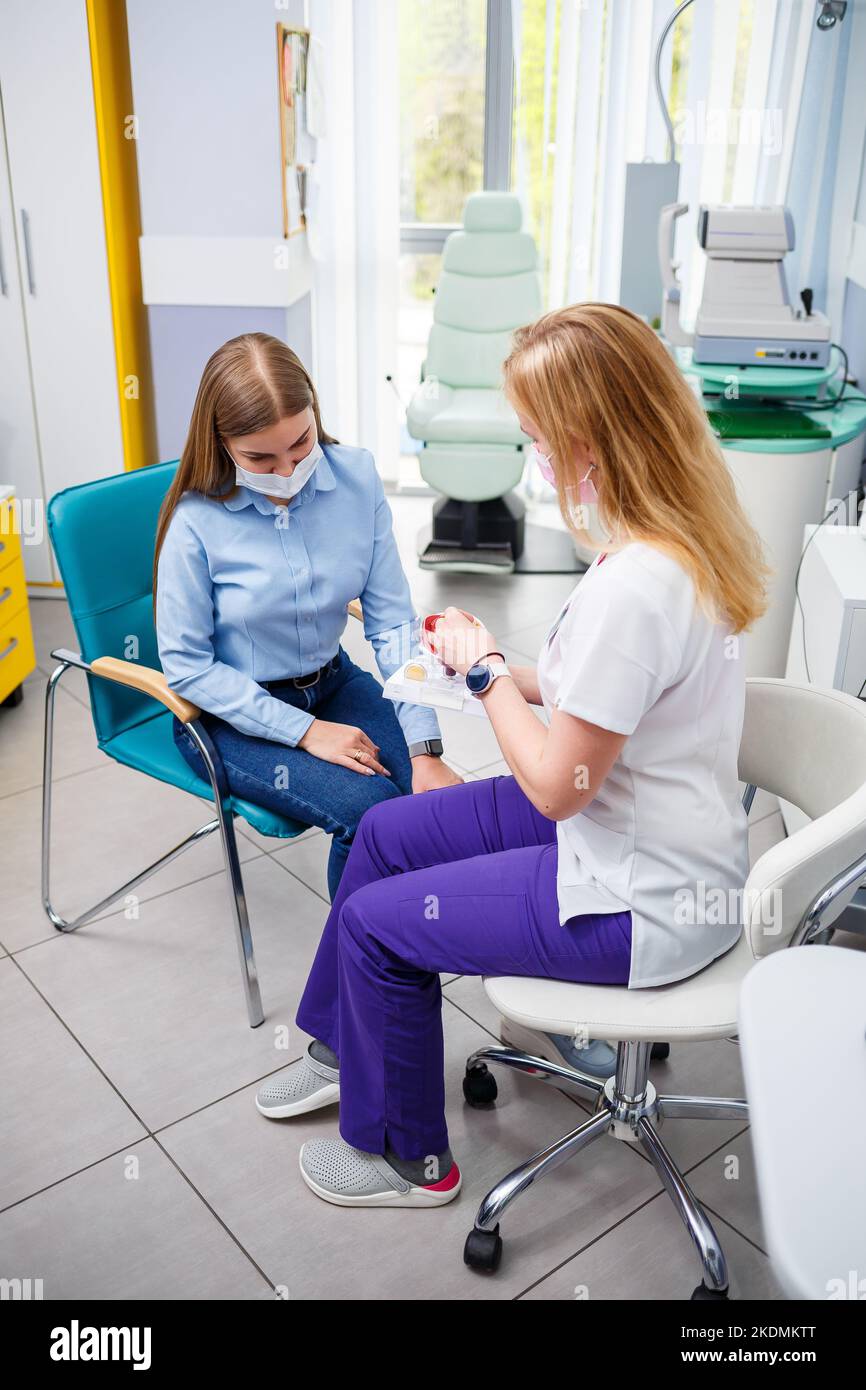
{"x":223,"y":822}
{"x":628,"y":1107}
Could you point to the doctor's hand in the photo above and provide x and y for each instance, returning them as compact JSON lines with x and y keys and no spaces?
{"x":343,"y":744}
{"x":459,"y":643}
{"x":430,"y":772}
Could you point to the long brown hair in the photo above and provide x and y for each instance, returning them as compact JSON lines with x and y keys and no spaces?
{"x":597,"y":375}
{"x":249,"y":384}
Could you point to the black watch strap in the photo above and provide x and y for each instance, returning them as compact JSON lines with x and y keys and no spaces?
{"x":432,"y":747}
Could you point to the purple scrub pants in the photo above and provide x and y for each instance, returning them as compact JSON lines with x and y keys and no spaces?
{"x":459,"y":880}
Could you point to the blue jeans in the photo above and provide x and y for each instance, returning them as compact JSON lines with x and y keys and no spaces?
{"x":291,"y":781}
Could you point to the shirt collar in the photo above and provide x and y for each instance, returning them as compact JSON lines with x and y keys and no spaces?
{"x":320,"y":480}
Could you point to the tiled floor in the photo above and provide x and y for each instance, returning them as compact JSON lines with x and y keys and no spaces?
{"x":133,"y":1161}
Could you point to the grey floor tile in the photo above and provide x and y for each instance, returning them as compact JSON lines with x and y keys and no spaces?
{"x":52,"y":627}
{"x":528,"y":641}
{"x":107,"y":824}
{"x":650,"y":1256}
{"x":59,"y":1113}
{"x":727,"y":1184}
{"x":157,"y":1002}
{"x":307,"y":859}
{"x":128,"y":1228}
{"x":467,"y":992}
{"x":246,"y":1168}
{"x":498,"y":769}
{"x":699,"y":1068}
{"x":469,"y":741}
{"x":514,"y":655}
{"x":22,"y":738}
{"x":505,"y":608}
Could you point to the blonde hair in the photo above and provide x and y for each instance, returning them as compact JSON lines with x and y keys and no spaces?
{"x":249,"y":384}
{"x":597,"y":375}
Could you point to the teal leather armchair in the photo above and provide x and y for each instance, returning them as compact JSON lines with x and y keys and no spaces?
{"x":103,"y":535}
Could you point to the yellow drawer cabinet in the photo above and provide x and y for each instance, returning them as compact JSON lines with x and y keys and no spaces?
{"x":17,"y":654}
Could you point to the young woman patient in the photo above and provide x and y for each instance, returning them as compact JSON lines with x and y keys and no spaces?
{"x":269,"y":530}
{"x":574,"y":866}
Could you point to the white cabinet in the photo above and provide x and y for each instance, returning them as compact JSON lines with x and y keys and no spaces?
{"x":19,"y":446}
{"x":828,"y":635}
{"x":59,"y":403}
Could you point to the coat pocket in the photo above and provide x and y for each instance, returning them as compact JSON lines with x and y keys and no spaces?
{"x":596,"y":847}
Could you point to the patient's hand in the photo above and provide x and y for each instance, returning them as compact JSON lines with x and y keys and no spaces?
{"x":429,"y":772}
{"x":343,"y":744}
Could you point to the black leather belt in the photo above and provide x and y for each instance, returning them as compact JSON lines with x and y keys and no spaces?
{"x":304,"y":682}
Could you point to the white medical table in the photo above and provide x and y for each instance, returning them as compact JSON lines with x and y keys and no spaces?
{"x":785,"y":484}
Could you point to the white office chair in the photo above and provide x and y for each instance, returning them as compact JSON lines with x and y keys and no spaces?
{"x":807,"y":746}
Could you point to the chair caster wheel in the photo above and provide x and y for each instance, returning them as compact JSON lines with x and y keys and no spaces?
{"x":660,"y":1052}
{"x":702,"y":1294}
{"x":479,"y":1086}
{"x":483,"y":1249}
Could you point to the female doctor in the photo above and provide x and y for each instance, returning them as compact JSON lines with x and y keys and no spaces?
{"x":575,"y":866}
{"x":265,"y":536}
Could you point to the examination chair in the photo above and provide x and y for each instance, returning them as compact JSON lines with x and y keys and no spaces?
{"x":472,"y":444}
{"x":808,"y":747}
{"x":103,"y":535}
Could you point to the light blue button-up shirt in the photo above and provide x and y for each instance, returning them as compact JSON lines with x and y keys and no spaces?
{"x":250,"y":591}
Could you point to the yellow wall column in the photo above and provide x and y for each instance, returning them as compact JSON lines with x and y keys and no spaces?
{"x":115,"y":131}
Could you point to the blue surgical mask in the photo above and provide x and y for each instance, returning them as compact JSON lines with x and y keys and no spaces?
{"x":276,"y":484}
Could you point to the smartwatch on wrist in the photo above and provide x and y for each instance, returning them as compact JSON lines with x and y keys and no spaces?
{"x":481,"y":676}
{"x":432,"y":747}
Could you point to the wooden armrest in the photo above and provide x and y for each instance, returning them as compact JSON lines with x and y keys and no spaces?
{"x":154,"y":683}
{"x":145,"y":679}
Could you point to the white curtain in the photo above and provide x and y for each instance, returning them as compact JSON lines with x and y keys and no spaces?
{"x":354,"y":223}
{"x":742,"y":136}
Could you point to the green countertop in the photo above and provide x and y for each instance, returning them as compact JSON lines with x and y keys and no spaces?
{"x":830,"y":427}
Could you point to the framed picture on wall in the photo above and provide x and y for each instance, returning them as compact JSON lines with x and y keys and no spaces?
{"x":296,"y":147}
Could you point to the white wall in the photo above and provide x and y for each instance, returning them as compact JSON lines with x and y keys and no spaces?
{"x":204,"y":81}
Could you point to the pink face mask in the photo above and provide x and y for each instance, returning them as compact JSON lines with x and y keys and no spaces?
{"x":587,"y":489}
{"x":545,"y":467}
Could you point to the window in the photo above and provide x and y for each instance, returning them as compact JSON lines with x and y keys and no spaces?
{"x":455,"y":139}
{"x":442,"y":45}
